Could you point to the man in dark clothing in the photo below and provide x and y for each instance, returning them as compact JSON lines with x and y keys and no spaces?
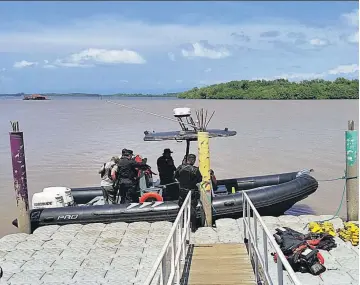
{"x":127,"y":175}
{"x":166,"y":168}
{"x":188,"y":176}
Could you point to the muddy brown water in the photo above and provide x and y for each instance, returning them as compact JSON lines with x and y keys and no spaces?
{"x":67,"y":140}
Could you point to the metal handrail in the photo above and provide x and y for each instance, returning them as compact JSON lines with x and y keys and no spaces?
{"x":253,"y":246}
{"x":176,"y":242}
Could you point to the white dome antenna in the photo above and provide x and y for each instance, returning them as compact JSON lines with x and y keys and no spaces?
{"x":182,"y":112}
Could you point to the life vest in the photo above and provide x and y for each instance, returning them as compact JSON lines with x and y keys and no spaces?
{"x":138,"y":158}
{"x":300,"y":250}
{"x":107,"y":170}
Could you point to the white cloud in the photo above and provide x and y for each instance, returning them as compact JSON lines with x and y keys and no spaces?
{"x":354,"y":38}
{"x":24,"y":64}
{"x":341,"y":69}
{"x":344,"y":69}
{"x":124,"y":81}
{"x":352,"y":18}
{"x":48,"y":65}
{"x":90,"y":57}
{"x":206,"y":51}
{"x":179,"y":81}
{"x":171,"y":56}
{"x":318,"y":42}
{"x":119,"y":33}
{"x":68,"y":63}
{"x":208,"y":70}
{"x":3,"y":69}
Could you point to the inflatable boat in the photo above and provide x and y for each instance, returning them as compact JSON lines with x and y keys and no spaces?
{"x":272,"y":195}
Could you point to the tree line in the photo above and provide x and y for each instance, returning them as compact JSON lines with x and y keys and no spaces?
{"x":280,"y":89}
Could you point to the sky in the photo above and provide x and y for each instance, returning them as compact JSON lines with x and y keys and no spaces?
{"x":156,"y":47}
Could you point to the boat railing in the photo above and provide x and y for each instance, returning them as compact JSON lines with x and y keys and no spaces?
{"x":167,"y":267}
{"x":260,"y":261}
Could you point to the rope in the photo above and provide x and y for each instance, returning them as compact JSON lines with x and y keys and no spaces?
{"x":342,"y":197}
{"x":150,"y":113}
{"x":334,"y":179}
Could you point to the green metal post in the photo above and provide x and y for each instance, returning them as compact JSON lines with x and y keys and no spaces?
{"x":352,"y":182}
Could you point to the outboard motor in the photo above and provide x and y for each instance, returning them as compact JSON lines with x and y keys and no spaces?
{"x":65,"y":192}
{"x":47,"y":200}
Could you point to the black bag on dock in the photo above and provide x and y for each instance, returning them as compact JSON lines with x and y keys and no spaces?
{"x":302,"y":256}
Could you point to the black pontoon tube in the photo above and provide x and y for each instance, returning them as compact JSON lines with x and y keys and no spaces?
{"x":84,"y":195}
{"x":272,"y":200}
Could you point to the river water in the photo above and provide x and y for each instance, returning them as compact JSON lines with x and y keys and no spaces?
{"x":67,"y":140}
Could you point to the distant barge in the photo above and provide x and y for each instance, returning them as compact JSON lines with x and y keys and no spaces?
{"x":35,"y":97}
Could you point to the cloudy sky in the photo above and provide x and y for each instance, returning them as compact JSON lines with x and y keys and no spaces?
{"x":109,"y":47}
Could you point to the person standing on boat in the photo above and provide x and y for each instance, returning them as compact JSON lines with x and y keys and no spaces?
{"x":127,"y":177}
{"x":108,"y":174}
{"x":148,"y":174}
{"x":189,"y":176}
{"x":166,"y":168}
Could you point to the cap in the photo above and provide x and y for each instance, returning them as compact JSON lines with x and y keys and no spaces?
{"x":192,"y":156}
{"x":124,"y":151}
{"x":167,"y":150}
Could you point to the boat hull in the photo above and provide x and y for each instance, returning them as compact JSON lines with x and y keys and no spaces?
{"x":272,"y":195}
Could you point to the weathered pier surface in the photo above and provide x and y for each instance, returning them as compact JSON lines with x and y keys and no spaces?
{"x":117,"y":253}
{"x":121,"y":253}
{"x":342,"y":263}
{"x":214,"y":264}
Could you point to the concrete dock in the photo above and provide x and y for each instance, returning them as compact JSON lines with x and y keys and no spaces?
{"x":121,"y":253}
{"x":117,"y":253}
{"x":342,"y":263}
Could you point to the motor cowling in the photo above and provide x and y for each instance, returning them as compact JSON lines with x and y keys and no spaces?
{"x":65,"y":192}
{"x":47,"y":200}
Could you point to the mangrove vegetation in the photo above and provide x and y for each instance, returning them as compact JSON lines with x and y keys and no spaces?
{"x":280,"y":89}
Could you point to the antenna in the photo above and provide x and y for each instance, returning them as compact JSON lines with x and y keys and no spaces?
{"x":184,"y":118}
{"x":202,"y":121}
{"x":184,"y":114}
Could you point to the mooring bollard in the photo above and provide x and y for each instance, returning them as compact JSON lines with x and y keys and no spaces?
{"x":20,"y":180}
{"x":351,"y":173}
{"x":204,"y":167}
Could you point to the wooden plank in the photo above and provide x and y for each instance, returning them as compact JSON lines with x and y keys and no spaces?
{"x":221,"y":264}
